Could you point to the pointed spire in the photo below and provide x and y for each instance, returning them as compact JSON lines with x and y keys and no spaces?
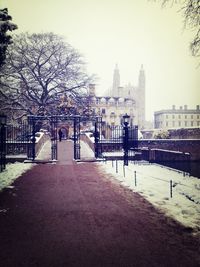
{"x":141,"y":78}
{"x":116,"y":81}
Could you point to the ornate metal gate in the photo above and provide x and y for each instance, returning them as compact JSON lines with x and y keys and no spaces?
{"x":119,"y":141}
{"x":35,"y":123}
{"x":123,"y":139}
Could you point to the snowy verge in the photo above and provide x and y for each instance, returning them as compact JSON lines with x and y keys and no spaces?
{"x":179,"y":199}
{"x":12,"y":172}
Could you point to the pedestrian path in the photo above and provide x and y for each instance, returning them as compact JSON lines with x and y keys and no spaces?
{"x":65,"y":151}
{"x":72,"y":214}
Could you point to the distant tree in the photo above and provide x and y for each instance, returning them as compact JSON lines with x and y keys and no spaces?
{"x":5,"y":39}
{"x":40,"y":70}
{"x":191,"y":13}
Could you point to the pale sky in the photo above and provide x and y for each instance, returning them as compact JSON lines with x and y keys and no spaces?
{"x":126,"y":32}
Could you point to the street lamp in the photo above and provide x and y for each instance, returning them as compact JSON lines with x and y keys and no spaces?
{"x":2,"y":142}
{"x":126,"y":119}
{"x":3,"y":119}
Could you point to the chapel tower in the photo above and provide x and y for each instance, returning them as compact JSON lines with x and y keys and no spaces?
{"x":116,"y":81}
{"x":141,"y":98}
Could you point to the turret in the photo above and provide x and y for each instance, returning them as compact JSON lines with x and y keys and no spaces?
{"x":116,"y":81}
{"x":92,"y":90}
{"x":141,"y":80}
{"x":141,"y":98}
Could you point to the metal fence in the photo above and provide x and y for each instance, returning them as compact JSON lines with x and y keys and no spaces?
{"x":17,"y":138}
{"x":119,"y":141}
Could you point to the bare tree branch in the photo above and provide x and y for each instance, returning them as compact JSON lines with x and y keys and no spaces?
{"x":39,"y":69}
{"x":191,"y":13}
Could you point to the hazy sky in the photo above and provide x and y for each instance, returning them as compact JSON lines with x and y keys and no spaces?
{"x":127,"y":32}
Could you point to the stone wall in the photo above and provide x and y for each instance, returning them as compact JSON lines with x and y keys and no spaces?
{"x":187,"y":145}
{"x":185,"y":133}
{"x":181,"y":133}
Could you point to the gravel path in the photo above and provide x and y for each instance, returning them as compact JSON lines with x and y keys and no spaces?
{"x":72,"y":214}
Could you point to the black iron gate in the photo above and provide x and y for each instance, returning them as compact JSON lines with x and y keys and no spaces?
{"x":36,"y":122}
{"x":120,"y":141}
{"x":106,"y":138}
{"x":22,"y":139}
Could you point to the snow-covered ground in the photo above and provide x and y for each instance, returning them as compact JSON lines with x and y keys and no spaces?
{"x":179,"y":198}
{"x":12,"y":172}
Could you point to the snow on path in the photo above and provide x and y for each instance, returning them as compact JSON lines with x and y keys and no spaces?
{"x":153,"y":182}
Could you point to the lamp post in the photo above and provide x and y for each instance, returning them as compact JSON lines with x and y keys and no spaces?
{"x":2,"y":142}
{"x":76,"y":136}
{"x":97,"y":129}
{"x":126,"y":118}
{"x":3,"y":120}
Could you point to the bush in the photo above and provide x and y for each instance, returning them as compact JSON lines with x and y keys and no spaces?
{"x":161,"y":134}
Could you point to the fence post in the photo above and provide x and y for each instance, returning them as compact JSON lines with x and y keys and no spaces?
{"x":171,"y":185}
{"x":3,"y":119}
{"x":135,"y":178}
{"x":126,"y":118}
{"x":124,"y":170}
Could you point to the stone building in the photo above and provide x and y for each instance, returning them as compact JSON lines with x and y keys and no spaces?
{"x":177,"y":118}
{"x":121,"y":100}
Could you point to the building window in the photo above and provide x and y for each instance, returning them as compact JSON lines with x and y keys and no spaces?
{"x":185,"y":116}
{"x":179,"y":116}
{"x":103,"y":111}
{"x":197,"y":116}
{"x":173,"y":116}
{"x":185,"y":123}
{"x":179,"y":123}
{"x":112,"y":114}
{"x":173,"y":123}
{"x":167,"y":123}
{"x":198,"y":123}
{"x":191,"y":123}
{"x":166,"y":116}
{"x":191,"y":116}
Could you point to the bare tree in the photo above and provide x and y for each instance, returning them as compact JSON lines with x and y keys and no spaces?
{"x":39,"y":70}
{"x":5,"y":39}
{"x":191,"y":14}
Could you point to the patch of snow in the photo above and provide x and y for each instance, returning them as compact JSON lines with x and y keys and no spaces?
{"x":86,"y":151}
{"x":45,"y":152}
{"x":179,"y":200}
{"x":12,"y":172}
{"x":113,"y":154}
{"x":90,"y":136}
